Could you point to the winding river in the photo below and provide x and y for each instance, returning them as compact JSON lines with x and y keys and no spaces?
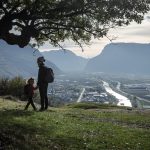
{"x":123,"y":101}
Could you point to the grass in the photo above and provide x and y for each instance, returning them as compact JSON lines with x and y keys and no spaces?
{"x":88,"y":105}
{"x":73,"y":127}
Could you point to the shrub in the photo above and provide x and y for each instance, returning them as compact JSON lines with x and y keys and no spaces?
{"x":14,"y":86}
{"x":4,"y":82}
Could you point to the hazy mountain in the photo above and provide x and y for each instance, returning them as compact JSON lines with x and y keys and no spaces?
{"x":15,"y":61}
{"x":122,"y":58}
{"x":66,"y":60}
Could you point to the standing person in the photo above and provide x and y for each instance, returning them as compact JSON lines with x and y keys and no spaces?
{"x":42,"y":84}
{"x":29,"y":92}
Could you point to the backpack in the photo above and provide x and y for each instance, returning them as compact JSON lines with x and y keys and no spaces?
{"x":49,"y":75}
{"x":26,"y":89}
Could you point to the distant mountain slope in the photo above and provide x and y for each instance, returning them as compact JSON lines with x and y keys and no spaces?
{"x":122,"y":58}
{"x":66,"y":60}
{"x":15,"y":61}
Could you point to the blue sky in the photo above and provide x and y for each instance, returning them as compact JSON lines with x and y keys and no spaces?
{"x":134,"y":33}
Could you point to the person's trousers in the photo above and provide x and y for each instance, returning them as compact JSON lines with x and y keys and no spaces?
{"x":30,"y":101}
{"x":43,"y":95}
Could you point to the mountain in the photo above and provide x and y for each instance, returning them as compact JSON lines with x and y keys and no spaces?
{"x":66,"y":60}
{"x":122,"y":58}
{"x":15,"y":61}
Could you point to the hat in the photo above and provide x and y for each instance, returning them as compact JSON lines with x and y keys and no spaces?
{"x":40,"y":59}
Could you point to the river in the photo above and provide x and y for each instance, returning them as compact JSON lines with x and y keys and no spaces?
{"x":123,"y":101}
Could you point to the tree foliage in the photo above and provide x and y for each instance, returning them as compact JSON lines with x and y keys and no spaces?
{"x":23,"y":21}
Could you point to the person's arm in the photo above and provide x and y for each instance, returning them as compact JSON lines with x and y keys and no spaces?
{"x":35,"y":88}
{"x":38,"y":80}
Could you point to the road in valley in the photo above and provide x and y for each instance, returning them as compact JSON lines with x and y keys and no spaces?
{"x":81,"y":95}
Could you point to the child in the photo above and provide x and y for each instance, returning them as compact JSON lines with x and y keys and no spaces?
{"x":29,"y":92}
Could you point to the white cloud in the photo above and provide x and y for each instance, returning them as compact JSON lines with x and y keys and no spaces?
{"x":135,"y":33}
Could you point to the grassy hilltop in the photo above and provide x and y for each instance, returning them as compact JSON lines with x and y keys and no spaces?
{"x":73,"y":127}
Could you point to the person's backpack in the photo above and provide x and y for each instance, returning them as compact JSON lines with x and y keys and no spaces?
{"x":26,"y":89}
{"x":49,"y":75}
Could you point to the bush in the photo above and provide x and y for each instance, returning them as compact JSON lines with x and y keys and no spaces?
{"x":4,"y":82}
{"x":14,"y":86}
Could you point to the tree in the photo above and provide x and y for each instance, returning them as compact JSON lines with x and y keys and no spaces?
{"x":23,"y":21}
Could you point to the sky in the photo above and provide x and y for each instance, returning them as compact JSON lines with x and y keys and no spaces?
{"x":134,"y":33}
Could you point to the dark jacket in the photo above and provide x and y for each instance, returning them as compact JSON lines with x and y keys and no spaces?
{"x":41,"y":75}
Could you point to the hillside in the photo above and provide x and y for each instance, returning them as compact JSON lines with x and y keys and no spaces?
{"x":73,"y":127}
{"x":15,"y":61}
{"x":122,"y":58}
{"x":66,"y":60}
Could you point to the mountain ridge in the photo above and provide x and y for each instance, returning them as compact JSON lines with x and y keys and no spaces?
{"x":122,"y":58}
{"x":66,"y":60}
{"x":15,"y":61}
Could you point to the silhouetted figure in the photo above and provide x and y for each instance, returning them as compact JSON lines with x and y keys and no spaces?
{"x":42,"y":84}
{"x":29,"y":92}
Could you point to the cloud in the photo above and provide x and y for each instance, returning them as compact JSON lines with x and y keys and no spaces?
{"x":147,"y":16}
{"x":135,"y":33}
